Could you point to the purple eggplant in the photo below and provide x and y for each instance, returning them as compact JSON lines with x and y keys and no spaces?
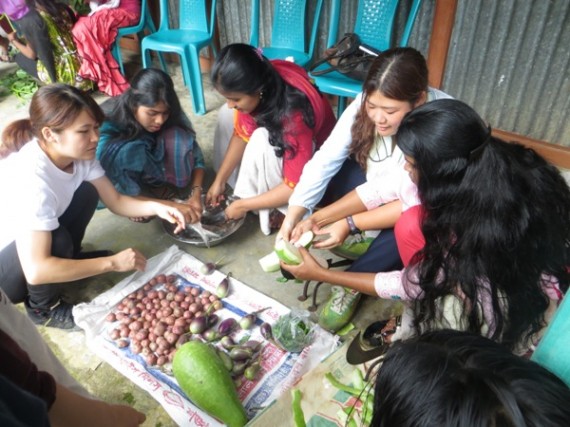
{"x":266,"y":331}
{"x":241,"y":353}
{"x":223,"y":287}
{"x":248,"y":321}
{"x":199,"y":324}
{"x":227,"y":326}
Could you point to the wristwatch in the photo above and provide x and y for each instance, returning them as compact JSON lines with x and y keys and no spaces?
{"x":353,"y":228}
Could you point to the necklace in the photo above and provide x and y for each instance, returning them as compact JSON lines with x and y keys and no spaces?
{"x":381,"y":153}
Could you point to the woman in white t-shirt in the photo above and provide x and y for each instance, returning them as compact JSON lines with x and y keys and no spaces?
{"x":50,"y":190}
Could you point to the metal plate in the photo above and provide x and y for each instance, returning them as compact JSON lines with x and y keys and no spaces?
{"x":213,"y":219}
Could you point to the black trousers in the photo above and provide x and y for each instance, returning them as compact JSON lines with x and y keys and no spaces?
{"x":66,"y":243}
{"x":382,"y":255}
{"x":34,"y":29}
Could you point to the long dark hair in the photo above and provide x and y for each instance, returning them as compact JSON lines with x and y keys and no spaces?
{"x":242,"y":68}
{"x":497,"y":218}
{"x":455,"y":379}
{"x":148,"y":87}
{"x":400,"y":73}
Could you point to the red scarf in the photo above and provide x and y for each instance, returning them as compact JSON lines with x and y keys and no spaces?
{"x":296,"y":76}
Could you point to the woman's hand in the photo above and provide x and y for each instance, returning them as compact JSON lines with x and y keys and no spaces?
{"x":128,"y":260}
{"x":294,"y":215}
{"x":215,"y":193}
{"x":338,"y":231}
{"x":301,"y":227}
{"x":177,"y":213}
{"x":195,"y":203}
{"x":309,"y":269}
{"x":236,"y":210}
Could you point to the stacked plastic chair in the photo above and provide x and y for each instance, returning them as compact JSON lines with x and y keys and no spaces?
{"x":145,"y":24}
{"x":288,"y":35}
{"x":195,"y":31}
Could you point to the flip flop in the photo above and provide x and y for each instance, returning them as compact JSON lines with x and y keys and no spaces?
{"x":371,"y":344}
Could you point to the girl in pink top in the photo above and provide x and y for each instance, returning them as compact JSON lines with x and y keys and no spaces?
{"x":496,"y":221}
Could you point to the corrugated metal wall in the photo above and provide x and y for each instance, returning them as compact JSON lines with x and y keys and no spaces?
{"x":509,"y":59}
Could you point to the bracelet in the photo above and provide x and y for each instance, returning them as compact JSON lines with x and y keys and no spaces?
{"x":353,"y":228}
{"x":195,"y":187}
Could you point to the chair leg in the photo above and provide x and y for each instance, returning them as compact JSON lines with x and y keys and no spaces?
{"x":192,"y":73}
{"x":341,"y":105}
{"x":141,"y":35}
{"x":162,"y":61}
{"x":145,"y":54}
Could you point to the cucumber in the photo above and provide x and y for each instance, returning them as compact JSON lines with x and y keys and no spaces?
{"x":202,"y":375}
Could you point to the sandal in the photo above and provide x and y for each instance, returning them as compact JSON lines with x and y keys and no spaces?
{"x":374,"y":342}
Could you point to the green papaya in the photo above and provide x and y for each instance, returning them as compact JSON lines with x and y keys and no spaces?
{"x":202,"y":375}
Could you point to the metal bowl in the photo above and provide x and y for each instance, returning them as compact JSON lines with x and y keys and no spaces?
{"x":213,"y":220}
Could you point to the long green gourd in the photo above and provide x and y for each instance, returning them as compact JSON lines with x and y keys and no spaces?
{"x":202,"y":375}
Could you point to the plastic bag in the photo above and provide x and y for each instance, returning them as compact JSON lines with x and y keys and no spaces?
{"x":294,"y":331}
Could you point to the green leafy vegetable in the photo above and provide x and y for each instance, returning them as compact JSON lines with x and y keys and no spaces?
{"x":20,"y":84}
{"x":293,"y":331}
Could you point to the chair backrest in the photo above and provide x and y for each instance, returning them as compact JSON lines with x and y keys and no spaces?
{"x":288,"y":27}
{"x":374,"y":22}
{"x":192,"y":15}
{"x":145,"y":21}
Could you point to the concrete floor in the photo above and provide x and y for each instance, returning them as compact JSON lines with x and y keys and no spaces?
{"x":107,"y":231}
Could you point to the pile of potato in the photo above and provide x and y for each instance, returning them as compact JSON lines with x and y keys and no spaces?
{"x":155,"y":319}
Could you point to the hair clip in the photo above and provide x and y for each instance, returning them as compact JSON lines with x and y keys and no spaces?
{"x":259,"y":52}
{"x":473,"y":154}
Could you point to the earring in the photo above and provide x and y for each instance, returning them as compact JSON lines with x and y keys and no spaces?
{"x":260,"y":94}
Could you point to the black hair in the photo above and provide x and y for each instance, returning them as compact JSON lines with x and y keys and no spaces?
{"x":399,"y":73}
{"x":242,"y":68}
{"x":497,"y":218}
{"x":456,"y":379}
{"x":149,"y":87}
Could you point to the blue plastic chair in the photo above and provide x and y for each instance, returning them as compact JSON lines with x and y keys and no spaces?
{"x":288,"y":31}
{"x":145,"y":23}
{"x":194,"y":32}
{"x":553,"y":351}
{"x":374,"y":25}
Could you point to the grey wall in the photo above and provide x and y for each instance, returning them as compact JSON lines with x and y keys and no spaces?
{"x":508,"y":58}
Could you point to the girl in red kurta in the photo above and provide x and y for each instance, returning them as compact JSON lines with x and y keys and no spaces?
{"x":280,"y":118}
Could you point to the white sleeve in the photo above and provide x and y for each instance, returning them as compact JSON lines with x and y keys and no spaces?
{"x":327,"y":161}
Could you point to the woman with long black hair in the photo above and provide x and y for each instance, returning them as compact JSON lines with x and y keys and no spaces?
{"x":148,"y":146}
{"x":488,"y":248}
{"x":279,"y":119}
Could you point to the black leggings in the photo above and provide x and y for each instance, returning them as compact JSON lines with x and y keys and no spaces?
{"x":66,"y":243}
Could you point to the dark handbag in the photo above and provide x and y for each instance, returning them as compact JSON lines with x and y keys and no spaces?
{"x":349,"y":57}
